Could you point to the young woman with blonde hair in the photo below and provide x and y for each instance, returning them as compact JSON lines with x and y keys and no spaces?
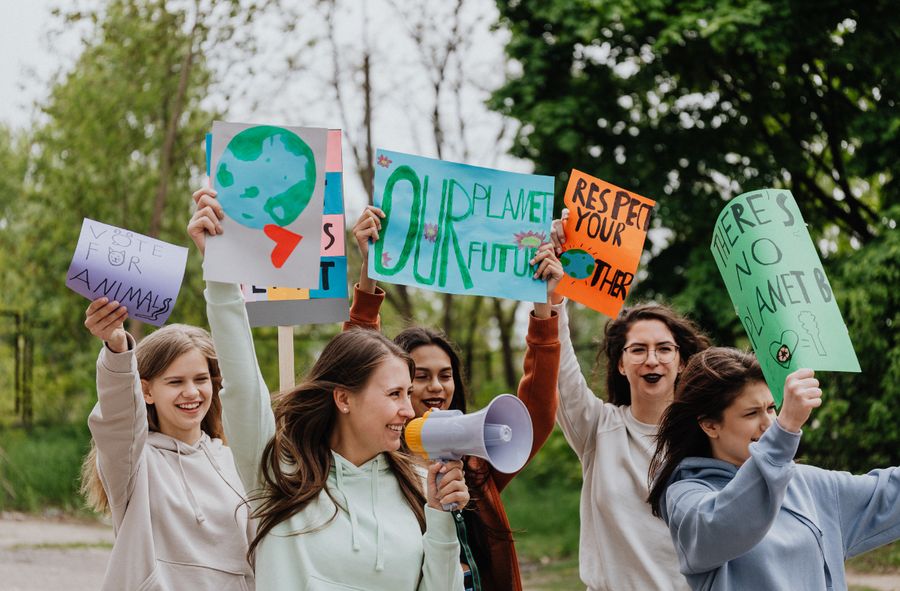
{"x":159,"y":464}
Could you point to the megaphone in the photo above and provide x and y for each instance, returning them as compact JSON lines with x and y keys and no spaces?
{"x":500,"y":433}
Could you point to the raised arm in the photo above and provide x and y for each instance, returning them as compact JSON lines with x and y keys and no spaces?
{"x":367,"y":296}
{"x":537,"y":388}
{"x":703,"y":521}
{"x":247,"y":411}
{"x":118,"y":422}
{"x":579,"y":411}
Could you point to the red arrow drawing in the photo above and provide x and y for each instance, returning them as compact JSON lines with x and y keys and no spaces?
{"x":285,"y":243}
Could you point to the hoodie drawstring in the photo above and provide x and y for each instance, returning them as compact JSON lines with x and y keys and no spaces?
{"x":215,"y":464}
{"x":198,"y":513}
{"x":379,"y":534}
{"x":354,"y":524}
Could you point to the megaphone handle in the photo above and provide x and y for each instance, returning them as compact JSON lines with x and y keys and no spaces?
{"x":437,"y":484}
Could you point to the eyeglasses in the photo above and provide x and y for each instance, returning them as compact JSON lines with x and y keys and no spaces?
{"x":638,"y":354}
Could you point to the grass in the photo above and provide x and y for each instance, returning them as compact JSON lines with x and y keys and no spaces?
{"x":39,"y":469}
{"x":879,"y":561}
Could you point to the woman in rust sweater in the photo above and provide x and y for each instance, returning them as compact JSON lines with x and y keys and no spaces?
{"x":489,"y":554}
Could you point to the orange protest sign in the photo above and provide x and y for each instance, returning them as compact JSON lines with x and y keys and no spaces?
{"x":605,"y":235}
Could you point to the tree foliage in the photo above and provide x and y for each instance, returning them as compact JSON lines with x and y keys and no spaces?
{"x":693,"y":102}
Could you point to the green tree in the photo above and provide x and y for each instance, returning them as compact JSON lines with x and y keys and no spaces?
{"x":856,"y":429}
{"x":694,"y":102}
{"x":120,"y":141}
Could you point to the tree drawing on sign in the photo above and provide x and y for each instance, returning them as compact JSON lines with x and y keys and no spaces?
{"x":811,"y":327}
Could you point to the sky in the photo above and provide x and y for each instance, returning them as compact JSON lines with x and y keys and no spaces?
{"x":25,"y":47}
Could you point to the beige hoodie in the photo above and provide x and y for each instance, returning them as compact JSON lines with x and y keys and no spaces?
{"x":176,"y":508}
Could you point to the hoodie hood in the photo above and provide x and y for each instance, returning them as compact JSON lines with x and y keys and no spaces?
{"x":715,"y":472}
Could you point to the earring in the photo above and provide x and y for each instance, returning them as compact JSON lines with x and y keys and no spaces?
{"x":345,"y":409}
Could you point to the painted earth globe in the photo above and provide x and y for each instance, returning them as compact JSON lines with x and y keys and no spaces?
{"x":577,"y":263}
{"x":266,"y":175}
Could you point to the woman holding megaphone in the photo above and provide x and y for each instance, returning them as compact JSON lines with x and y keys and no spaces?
{"x":338,"y":506}
{"x":489,"y":554}
{"x":622,"y":545}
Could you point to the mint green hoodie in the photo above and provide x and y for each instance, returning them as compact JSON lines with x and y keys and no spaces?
{"x":373,"y":542}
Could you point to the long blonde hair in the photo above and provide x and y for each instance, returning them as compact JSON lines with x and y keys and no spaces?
{"x":154,"y":354}
{"x":297,"y":460}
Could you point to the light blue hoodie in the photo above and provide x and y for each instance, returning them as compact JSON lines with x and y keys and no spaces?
{"x":773,"y":524}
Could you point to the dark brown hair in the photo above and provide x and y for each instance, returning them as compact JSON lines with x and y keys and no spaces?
{"x":420,"y":336}
{"x":154,"y":354}
{"x":710,"y":383}
{"x":304,"y":419}
{"x":688,"y":336}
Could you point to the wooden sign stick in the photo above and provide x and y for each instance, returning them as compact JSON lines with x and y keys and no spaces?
{"x":285,"y":357}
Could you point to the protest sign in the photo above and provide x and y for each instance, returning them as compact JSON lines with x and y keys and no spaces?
{"x":460,"y":229}
{"x":605,"y":235}
{"x":780,"y":292}
{"x":271,"y":182}
{"x":285,"y":306}
{"x":142,"y":273}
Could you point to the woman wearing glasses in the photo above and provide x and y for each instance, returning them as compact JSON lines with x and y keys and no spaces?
{"x":622,"y":545}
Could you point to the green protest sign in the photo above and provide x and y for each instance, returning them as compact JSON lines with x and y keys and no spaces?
{"x":779,"y":289}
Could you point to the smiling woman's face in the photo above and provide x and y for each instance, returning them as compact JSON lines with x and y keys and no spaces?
{"x":433,"y":384}
{"x":744,"y":422}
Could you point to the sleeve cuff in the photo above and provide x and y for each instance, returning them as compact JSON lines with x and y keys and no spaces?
{"x":439,"y":525}
{"x":118,"y":362}
{"x":543,"y":331}
{"x":222,"y":293}
{"x":778,"y":445}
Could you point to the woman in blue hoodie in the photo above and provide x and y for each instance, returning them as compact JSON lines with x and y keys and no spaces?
{"x":741,"y":513}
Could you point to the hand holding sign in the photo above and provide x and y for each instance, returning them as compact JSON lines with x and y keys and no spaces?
{"x":105,"y":320}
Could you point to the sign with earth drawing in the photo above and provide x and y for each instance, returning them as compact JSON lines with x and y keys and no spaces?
{"x":605,"y":236}
{"x":289,"y":306}
{"x":460,"y":229}
{"x":773,"y":274}
{"x":270,"y":181}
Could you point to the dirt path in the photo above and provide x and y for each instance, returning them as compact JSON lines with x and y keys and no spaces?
{"x":49,"y":554}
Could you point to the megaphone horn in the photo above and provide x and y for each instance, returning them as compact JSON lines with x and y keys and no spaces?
{"x":500,"y":433}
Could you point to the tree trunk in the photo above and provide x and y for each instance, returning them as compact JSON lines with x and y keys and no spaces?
{"x":166,"y":155}
{"x":505,"y":322}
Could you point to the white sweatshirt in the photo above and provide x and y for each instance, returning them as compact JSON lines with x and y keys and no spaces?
{"x":176,"y":508}
{"x":622,"y":545}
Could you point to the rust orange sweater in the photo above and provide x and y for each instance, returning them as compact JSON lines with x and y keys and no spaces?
{"x":537,"y":389}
